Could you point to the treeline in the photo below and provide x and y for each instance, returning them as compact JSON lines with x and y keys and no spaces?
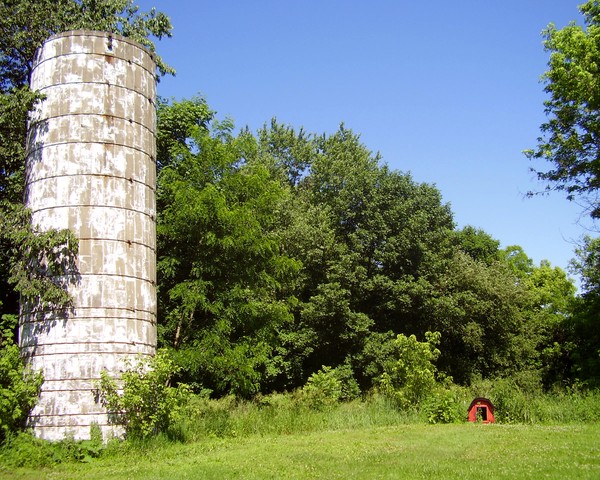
{"x":282,"y":251}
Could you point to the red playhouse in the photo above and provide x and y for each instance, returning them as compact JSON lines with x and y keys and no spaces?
{"x":481,"y":410}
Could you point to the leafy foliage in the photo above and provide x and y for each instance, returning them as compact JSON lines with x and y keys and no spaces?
{"x":25,"y":450}
{"x":479,"y":311}
{"x":582,"y":348}
{"x":221,"y":267}
{"x":26,"y":24}
{"x":336,"y":255}
{"x":478,"y":244}
{"x":19,"y":385}
{"x":14,"y":105}
{"x":323,"y":389}
{"x":42,"y":263}
{"x":443,"y":407}
{"x":411,"y":378}
{"x":570,"y":141}
{"x":142,"y":400}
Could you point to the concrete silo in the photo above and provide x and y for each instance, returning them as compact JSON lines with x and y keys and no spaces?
{"x":91,"y":167}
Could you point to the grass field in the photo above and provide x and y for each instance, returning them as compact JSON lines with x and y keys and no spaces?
{"x":461,"y":451}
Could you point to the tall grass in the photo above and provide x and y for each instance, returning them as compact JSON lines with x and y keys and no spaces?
{"x":284,"y":414}
{"x":290,"y":414}
{"x":514,"y":405}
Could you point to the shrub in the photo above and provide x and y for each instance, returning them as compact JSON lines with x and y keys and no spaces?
{"x":411,"y":378}
{"x":511,"y":402}
{"x":323,"y":389}
{"x":19,"y":385}
{"x":446,"y":406}
{"x":144,"y":403}
{"x":350,"y":388}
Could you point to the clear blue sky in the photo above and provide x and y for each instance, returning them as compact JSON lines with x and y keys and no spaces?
{"x":448,"y":91}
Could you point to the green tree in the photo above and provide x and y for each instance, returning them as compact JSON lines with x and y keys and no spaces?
{"x":323,"y":389}
{"x":548,"y":299}
{"x":288,"y":153}
{"x":585,"y":336}
{"x":177,"y":122}
{"x":335,"y":254}
{"x":391,"y":230}
{"x":222,"y":271}
{"x":307,"y":236}
{"x":380,"y":257}
{"x":479,"y":311}
{"x":517,"y":260}
{"x":552,"y":302}
{"x":411,"y":378}
{"x":364,"y":235}
{"x":570,"y":141}
{"x":478,"y":244}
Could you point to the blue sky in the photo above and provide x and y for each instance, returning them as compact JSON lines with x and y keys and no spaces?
{"x":448,"y":91}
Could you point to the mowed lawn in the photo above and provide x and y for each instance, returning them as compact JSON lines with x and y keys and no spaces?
{"x":464,"y":451}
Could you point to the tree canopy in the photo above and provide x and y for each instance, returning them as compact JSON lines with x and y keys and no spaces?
{"x":26,"y":24}
{"x":570,"y":143}
{"x":282,"y":252}
{"x":571,"y":135}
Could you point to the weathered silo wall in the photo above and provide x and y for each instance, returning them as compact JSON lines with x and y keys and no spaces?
{"x":91,"y":168}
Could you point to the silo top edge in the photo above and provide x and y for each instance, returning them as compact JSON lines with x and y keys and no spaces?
{"x":102,"y":34}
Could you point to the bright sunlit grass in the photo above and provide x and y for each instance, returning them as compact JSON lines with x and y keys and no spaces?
{"x":461,"y":451}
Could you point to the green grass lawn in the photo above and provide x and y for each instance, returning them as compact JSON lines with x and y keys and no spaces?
{"x":461,"y":451}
